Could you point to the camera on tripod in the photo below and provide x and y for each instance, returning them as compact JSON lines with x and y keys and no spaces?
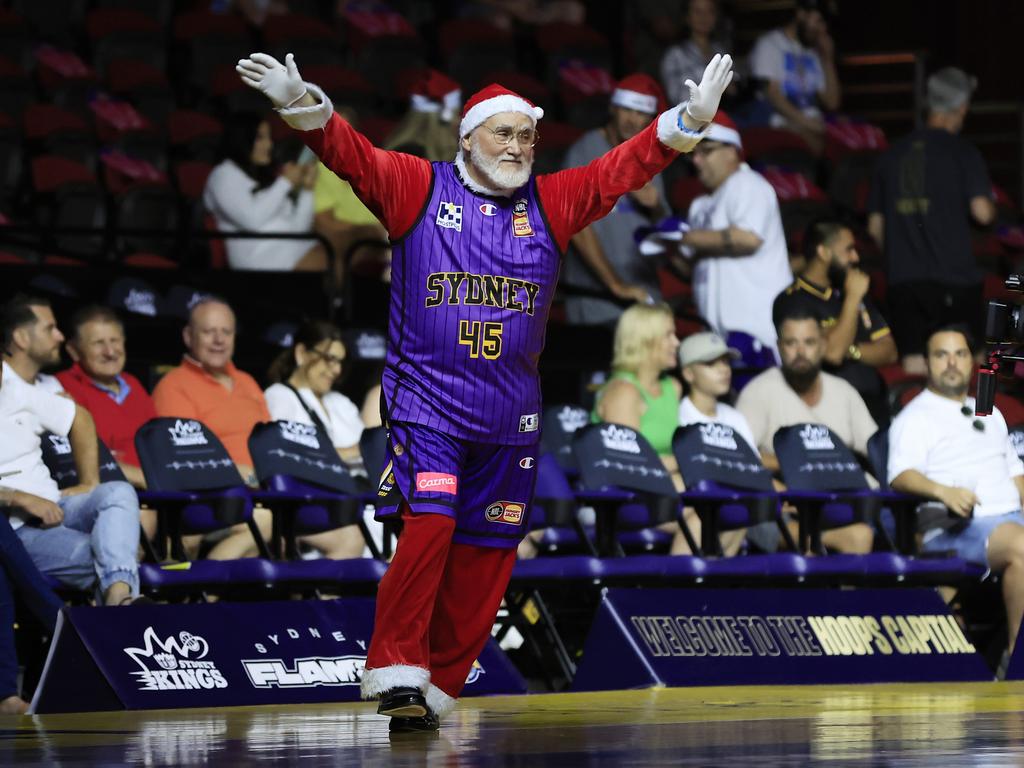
{"x":1004,"y":325}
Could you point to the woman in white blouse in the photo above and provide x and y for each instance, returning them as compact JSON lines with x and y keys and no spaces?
{"x":247,"y":192}
{"x":303,"y":392}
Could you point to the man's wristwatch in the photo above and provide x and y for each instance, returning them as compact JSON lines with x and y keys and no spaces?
{"x":853,"y":352}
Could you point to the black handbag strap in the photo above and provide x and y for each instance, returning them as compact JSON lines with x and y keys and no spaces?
{"x":312,"y":413}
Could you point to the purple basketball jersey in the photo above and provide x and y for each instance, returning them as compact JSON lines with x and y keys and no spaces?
{"x":472,"y":284}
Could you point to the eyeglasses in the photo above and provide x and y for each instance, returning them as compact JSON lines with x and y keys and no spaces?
{"x":329,"y":359}
{"x":527,"y":137}
{"x":978,"y":424}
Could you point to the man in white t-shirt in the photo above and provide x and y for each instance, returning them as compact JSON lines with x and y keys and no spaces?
{"x":800,"y":392}
{"x":736,"y":237}
{"x":797,"y":65}
{"x":939,"y":449}
{"x":88,"y":532}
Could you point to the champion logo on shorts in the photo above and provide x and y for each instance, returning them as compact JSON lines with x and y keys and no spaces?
{"x":437,"y":482}
{"x":449,"y":216}
{"x":488,"y":209}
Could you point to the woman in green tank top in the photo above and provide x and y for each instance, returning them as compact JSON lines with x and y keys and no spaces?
{"x":638,"y":395}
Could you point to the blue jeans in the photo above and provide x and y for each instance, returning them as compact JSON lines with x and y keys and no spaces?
{"x":99,"y":539}
{"x":971,"y":542}
{"x":19,"y":575}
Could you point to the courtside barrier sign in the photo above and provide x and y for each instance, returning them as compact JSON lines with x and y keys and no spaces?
{"x":223,"y":654}
{"x":678,"y":637}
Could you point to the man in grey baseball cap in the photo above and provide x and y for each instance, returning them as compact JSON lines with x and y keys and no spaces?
{"x":950,"y":89}
{"x":928,"y":189}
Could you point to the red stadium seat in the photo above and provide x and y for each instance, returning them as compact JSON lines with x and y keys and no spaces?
{"x":190,"y":177}
{"x":781,"y":148}
{"x":49,"y":173}
{"x":684,"y":191}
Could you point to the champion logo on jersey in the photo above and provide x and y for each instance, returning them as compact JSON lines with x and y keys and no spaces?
{"x":521,"y":220}
{"x":488,"y":209}
{"x":449,"y":216}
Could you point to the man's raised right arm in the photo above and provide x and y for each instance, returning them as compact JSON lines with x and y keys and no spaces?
{"x":393,"y":185}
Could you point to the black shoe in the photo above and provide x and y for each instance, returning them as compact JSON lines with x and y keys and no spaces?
{"x":426,"y":724}
{"x":403,"y":702}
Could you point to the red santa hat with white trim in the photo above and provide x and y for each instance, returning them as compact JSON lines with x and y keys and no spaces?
{"x":724,"y":130}
{"x":640,"y":92}
{"x":433,"y":91}
{"x":492,"y":100}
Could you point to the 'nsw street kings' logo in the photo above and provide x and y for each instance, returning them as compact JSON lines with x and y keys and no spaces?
{"x":187,"y":432}
{"x":718,"y":436}
{"x":175,"y":664}
{"x":303,"y":434}
{"x":816,"y":438}
{"x":619,"y":439}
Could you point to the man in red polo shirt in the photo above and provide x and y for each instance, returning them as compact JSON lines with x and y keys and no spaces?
{"x":97,"y":381}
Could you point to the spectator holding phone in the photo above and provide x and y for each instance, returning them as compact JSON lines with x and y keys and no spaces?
{"x":246,"y":192}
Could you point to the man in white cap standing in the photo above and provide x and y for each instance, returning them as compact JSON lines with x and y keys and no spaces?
{"x":604,"y":255}
{"x":927,"y":189}
{"x":476,"y":252}
{"x":737,"y":238}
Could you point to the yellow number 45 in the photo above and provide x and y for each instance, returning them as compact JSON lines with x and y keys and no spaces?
{"x":481,"y":338}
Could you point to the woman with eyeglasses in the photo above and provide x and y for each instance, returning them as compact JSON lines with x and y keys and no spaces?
{"x":303,"y":391}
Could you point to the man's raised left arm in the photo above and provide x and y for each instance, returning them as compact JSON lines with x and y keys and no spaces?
{"x":575,"y":197}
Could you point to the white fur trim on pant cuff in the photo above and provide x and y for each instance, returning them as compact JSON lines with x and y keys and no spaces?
{"x":383,"y":679}
{"x":309,"y":118}
{"x":672,"y":136}
{"x":440,"y":703}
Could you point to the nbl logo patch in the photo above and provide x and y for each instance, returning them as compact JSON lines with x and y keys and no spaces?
{"x":449,"y":216}
{"x":509,"y":512}
{"x":521,"y":220}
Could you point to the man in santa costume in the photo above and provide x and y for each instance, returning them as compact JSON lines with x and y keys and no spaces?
{"x":477,"y":244}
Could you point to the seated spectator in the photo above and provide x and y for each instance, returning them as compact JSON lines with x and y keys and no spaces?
{"x":246,"y":192}
{"x":928,"y":189}
{"x":604,"y":256}
{"x":304,"y":377}
{"x":639,"y":396}
{"x":86,"y":535}
{"x":799,"y":392}
{"x":209,"y":388}
{"x":707,"y":376}
{"x":686,"y":60}
{"x":431,"y":122}
{"x":18,"y":577}
{"x":857,"y":338}
{"x":118,"y":402}
{"x":736,"y":237}
{"x":939,"y":449}
{"x":342,"y":218}
{"x":796,"y":63}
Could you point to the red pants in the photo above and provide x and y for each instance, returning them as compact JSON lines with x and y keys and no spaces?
{"x":437,"y":602}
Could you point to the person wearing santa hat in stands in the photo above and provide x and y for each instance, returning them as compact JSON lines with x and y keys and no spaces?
{"x":604,"y":256}
{"x":429,"y":127}
{"x":477,"y":245}
{"x":736,"y":237}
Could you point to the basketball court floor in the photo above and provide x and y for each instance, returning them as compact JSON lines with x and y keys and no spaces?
{"x":935,"y":725}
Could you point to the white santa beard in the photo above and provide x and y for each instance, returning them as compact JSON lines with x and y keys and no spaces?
{"x":491,"y":168}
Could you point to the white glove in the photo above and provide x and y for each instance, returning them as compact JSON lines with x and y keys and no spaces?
{"x":280,"y":82}
{"x":704,"y":98}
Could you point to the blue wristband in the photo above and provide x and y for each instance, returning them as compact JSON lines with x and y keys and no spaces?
{"x":682,"y":126}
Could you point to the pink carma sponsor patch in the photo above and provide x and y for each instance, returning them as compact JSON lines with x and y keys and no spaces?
{"x":437,"y":482}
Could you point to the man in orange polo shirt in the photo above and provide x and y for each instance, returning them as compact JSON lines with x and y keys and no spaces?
{"x":209,"y":388}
